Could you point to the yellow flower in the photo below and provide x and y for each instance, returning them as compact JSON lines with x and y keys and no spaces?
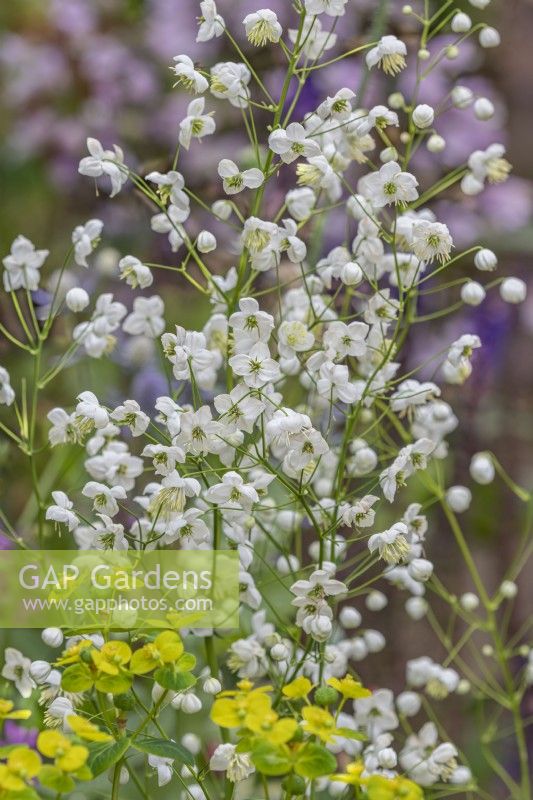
{"x":22,"y":765}
{"x":74,"y":654}
{"x":67,"y":756}
{"x":233,"y":711}
{"x":7,"y":713}
{"x":87,"y":730}
{"x":352,"y":775}
{"x":270,"y":727}
{"x":165,"y":649}
{"x":349,"y":688}
{"x":112,"y":656}
{"x":398,"y":788}
{"x":319,"y":722}
{"x":298,"y":689}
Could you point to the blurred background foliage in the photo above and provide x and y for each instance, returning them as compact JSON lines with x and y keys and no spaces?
{"x":78,"y":68}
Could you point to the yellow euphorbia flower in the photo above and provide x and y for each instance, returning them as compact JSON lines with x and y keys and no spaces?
{"x":67,"y":756}
{"x":349,"y":687}
{"x":87,"y":730}
{"x":22,"y":765}
{"x":298,"y":689}
{"x":7,"y":713}
{"x":165,"y":649}
{"x":112,"y":656}
{"x":319,"y":722}
{"x":74,"y":654}
{"x":379,"y":787}
{"x":270,"y":727}
{"x":232,"y":712}
{"x":352,"y":774}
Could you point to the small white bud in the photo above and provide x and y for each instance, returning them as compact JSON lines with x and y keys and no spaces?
{"x":409,"y":703}
{"x":487,"y":650}
{"x":482,"y":468}
{"x":469,"y":601}
{"x":485,"y":260}
{"x":77,"y":299}
{"x":374,"y":640}
{"x":452,"y":52}
{"x":350,"y":617}
{"x":459,"y":498}
{"x":463,"y":687}
{"x":388,"y":154}
{"x":489,"y":37}
{"x":158,"y":692}
{"x":376,"y":601}
{"x":53,"y":637}
{"x":189,"y":703}
{"x":396,"y":101}
{"x":472,"y":293}
{"x":424,"y":54}
{"x":387,"y":758}
{"x":462,"y":96}
{"x":405,"y":137}
{"x":286,"y":564}
{"x":508,"y":589}
{"x":423,"y":116}
{"x":192,"y":742}
{"x":358,"y":650}
{"x":40,"y":670}
{"x":416,"y":607}
{"x":513,"y":290}
{"x":222,"y":209}
{"x":483,"y":108}
{"x":479,"y":3}
{"x":420,"y":569}
{"x":407,"y":9}
{"x":279,"y":652}
{"x":212,"y":685}
{"x":351,"y":274}
{"x":206,"y":242}
{"x":436,"y":143}
{"x":461,"y":23}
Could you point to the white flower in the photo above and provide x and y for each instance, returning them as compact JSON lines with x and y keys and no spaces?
{"x":234,"y":181}
{"x":390,"y":185}
{"x":130,"y":414}
{"x":361,"y":514}
{"x":256,"y":367}
{"x":230,"y":81}
{"x":232,"y":492}
{"x":61,"y":512}
{"x":104,"y":162}
{"x":7,"y":394}
{"x":344,"y":340}
{"x":17,"y":669}
{"x":95,"y":335}
{"x":334,"y":8}
{"x":22,"y":265}
{"x":389,"y":54}
{"x":237,"y":766}
{"x":104,"y":497}
{"x":85,"y":238}
{"x":261,"y":27}
{"x":334,"y":382}
{"x":239,"y":409}
{"x":163,"y":767}
{"x":314,"y":41}
{"x":196,"y":124}
{"x":338,"y":107}
{"x":486,"y":165}
{"x":294,"y":337}
{"x":431,"y":240}
{"x":318,"y":174}
{"x":300,"y":202}
{"x":188,"y":76}
{"x":211,"y":23}
{"x":136,"y":274}
{"x":292,"y":143}
{"x":172,"y":496}
{"x":392,"y":544}
{"x":146,"y":318}
{"x":89,"y":408}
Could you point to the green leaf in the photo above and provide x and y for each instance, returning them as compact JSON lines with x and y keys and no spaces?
{"x":313,"y":760}
{"x":271,"y":759}
{"x":348,"y":733}
{"x":115,"y":684}
{"x":103,"y":756}
{"x":55,"y":779}
{"x":185,"y":662}
{"x":174,"y":681}
{"x":164,"y":748}
{"x":77,"y":678}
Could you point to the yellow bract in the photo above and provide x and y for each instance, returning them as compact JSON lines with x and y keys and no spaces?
{"x":349,"y":687}
{"x":73,"y":654}
{"x":6,"y":711}
{"x":87,"y":730}
{"x":22,"y":765}
{"x":165,"y":649}
{"x":232,"y":712}
{"x":298,"y":689}
{"x":68,"y":757}
{"x":319,"y":722}
{"x":271,"y":728}
{"x":379,"y":787}
{"x":111,"y":657}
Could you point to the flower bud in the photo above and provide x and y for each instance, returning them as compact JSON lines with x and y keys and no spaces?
{"x":212,"y":685}
{"x":351,"y":274}
{"x":388,"y":154}
{"x":358,"y":649}
{"x":463,"y":687}
{"x":436,"y":143}
{"x":462,"y":96}
{"x":222,"y":209}
{"x":508,"y":589}
{"x":487,"y":650}
{"x":326,"y":696}
{"x":374,"y":640}
{"x":376,"y":601}
{"x":279,"y":652}
{"x":409,"y":703}
{"x":416,"y":607}
{"x":387,"y":758}
{"x":53,"y":637}
{"x":77,"y":299}
{"x":285,"y":564}
{"x":489,"y":37}
{"x":192,"y":742}
{"x":452,"y":52}
{"x":485,"y":260}
{"x":483,"y":108}
{"x":40,"y":670}
{"x":461,"y":22}
{"x":420,"y":569}
{"x":396,"y":101}
{"x":423,"y":116}
{"x":482,"y":468}
{"x":459,"y":498}
{"x":479,"y":3}
{"x":424,"y":54}
{"x":350,"y":617}
{"x":473,"y":293}
{"x":189,"y":703}
{"x":469,"y":601}
{"x":513,"y":290}
{"x":206,"y":242}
